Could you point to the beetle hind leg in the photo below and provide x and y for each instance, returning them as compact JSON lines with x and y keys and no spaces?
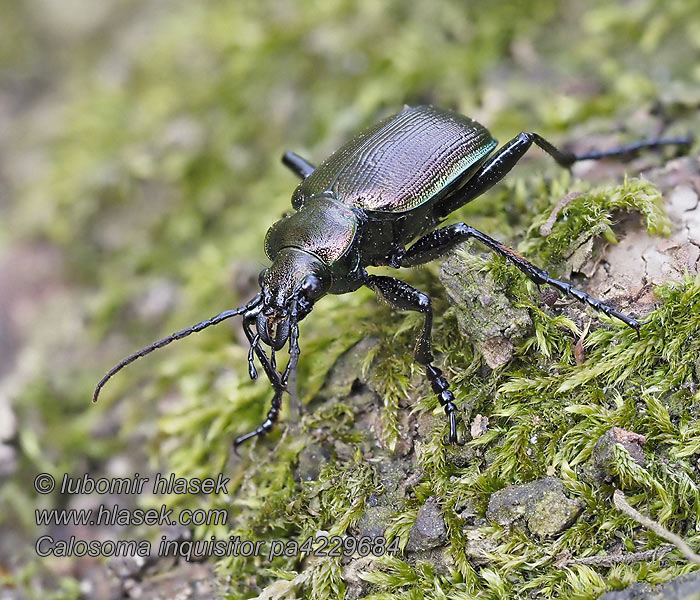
{"x":540,"y":276}
{"x":402,"y":296}
{"x":439,"y":241}
{"x":497,"y":166}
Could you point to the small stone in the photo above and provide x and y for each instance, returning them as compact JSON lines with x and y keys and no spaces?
{"x":311,"y":459}
{"x":391,"y":476}
{"x":480,"y":542}
{"x":439,"y":559}
{"x":374,"y":521}
{"x":683,"y":587}
{"x":601,"y":466}
{"x":479,"y":426}
{"x":541,"y":503}
{"x":429,"y":529}
{"x":497,"y":351}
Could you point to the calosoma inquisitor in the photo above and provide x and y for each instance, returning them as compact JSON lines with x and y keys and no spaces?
{"x":388,"y":188}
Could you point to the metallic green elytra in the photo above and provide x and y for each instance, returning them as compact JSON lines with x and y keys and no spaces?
{"x":378,"y":201}
{"x":401,"y":162}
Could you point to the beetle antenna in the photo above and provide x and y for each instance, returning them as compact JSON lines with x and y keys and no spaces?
{"x":227,"y":314}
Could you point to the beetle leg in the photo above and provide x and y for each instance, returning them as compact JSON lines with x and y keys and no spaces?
{"x":293,"y":353}
{"x":297,"y":164}
{"x":273,"y":376}
{"x":438,"y":242}
{"x":254,"y":341}
{"x":289,"y":376}
{"x":507,"y":156}
{"x":267,"y":424}
{"x":435,"y":244}
{"x":279,"y":384}
{"x":252,"y":371}
{"x":402,"y":296}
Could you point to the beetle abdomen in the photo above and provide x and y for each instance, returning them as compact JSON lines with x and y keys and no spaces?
{"x":401,"y":162}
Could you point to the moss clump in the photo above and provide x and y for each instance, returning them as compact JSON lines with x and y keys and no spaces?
{"x":592,"y":214}
{"x":154,"y":157}
{"x":483,"y":311}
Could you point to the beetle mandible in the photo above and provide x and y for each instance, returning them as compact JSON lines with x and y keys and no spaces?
{"x":377,"y":202}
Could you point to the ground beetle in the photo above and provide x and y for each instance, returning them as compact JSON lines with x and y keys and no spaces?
{"x":390,"y":185}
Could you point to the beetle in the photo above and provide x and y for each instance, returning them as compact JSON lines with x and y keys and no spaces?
{"x":378,"y":201}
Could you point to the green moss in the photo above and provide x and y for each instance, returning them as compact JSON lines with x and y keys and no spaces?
{"x":591,"y":214}
{"x":161,"y":163}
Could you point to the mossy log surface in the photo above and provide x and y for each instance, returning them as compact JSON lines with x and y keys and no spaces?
{"x":140,"y":170}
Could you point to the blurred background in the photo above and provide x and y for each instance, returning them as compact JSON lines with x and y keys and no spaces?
{"x":140,"y":146}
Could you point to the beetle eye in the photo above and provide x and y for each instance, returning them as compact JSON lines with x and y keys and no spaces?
{"x":261,"y":276}
{"x":311,"y":287}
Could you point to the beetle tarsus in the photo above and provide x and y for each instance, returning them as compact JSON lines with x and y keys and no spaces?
{"x":441,"y":387}
{"x":267,"y":424}
{"x":596,"y":304}
{"x":630,"y":149}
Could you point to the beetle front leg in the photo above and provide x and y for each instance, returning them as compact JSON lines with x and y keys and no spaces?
{"x":267,"y":424}
{"x":402,"y":296}
{"x":438,"y":242}
{"x":273,"y":376}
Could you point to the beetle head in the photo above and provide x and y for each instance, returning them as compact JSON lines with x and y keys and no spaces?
{"x":290,"y":287}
